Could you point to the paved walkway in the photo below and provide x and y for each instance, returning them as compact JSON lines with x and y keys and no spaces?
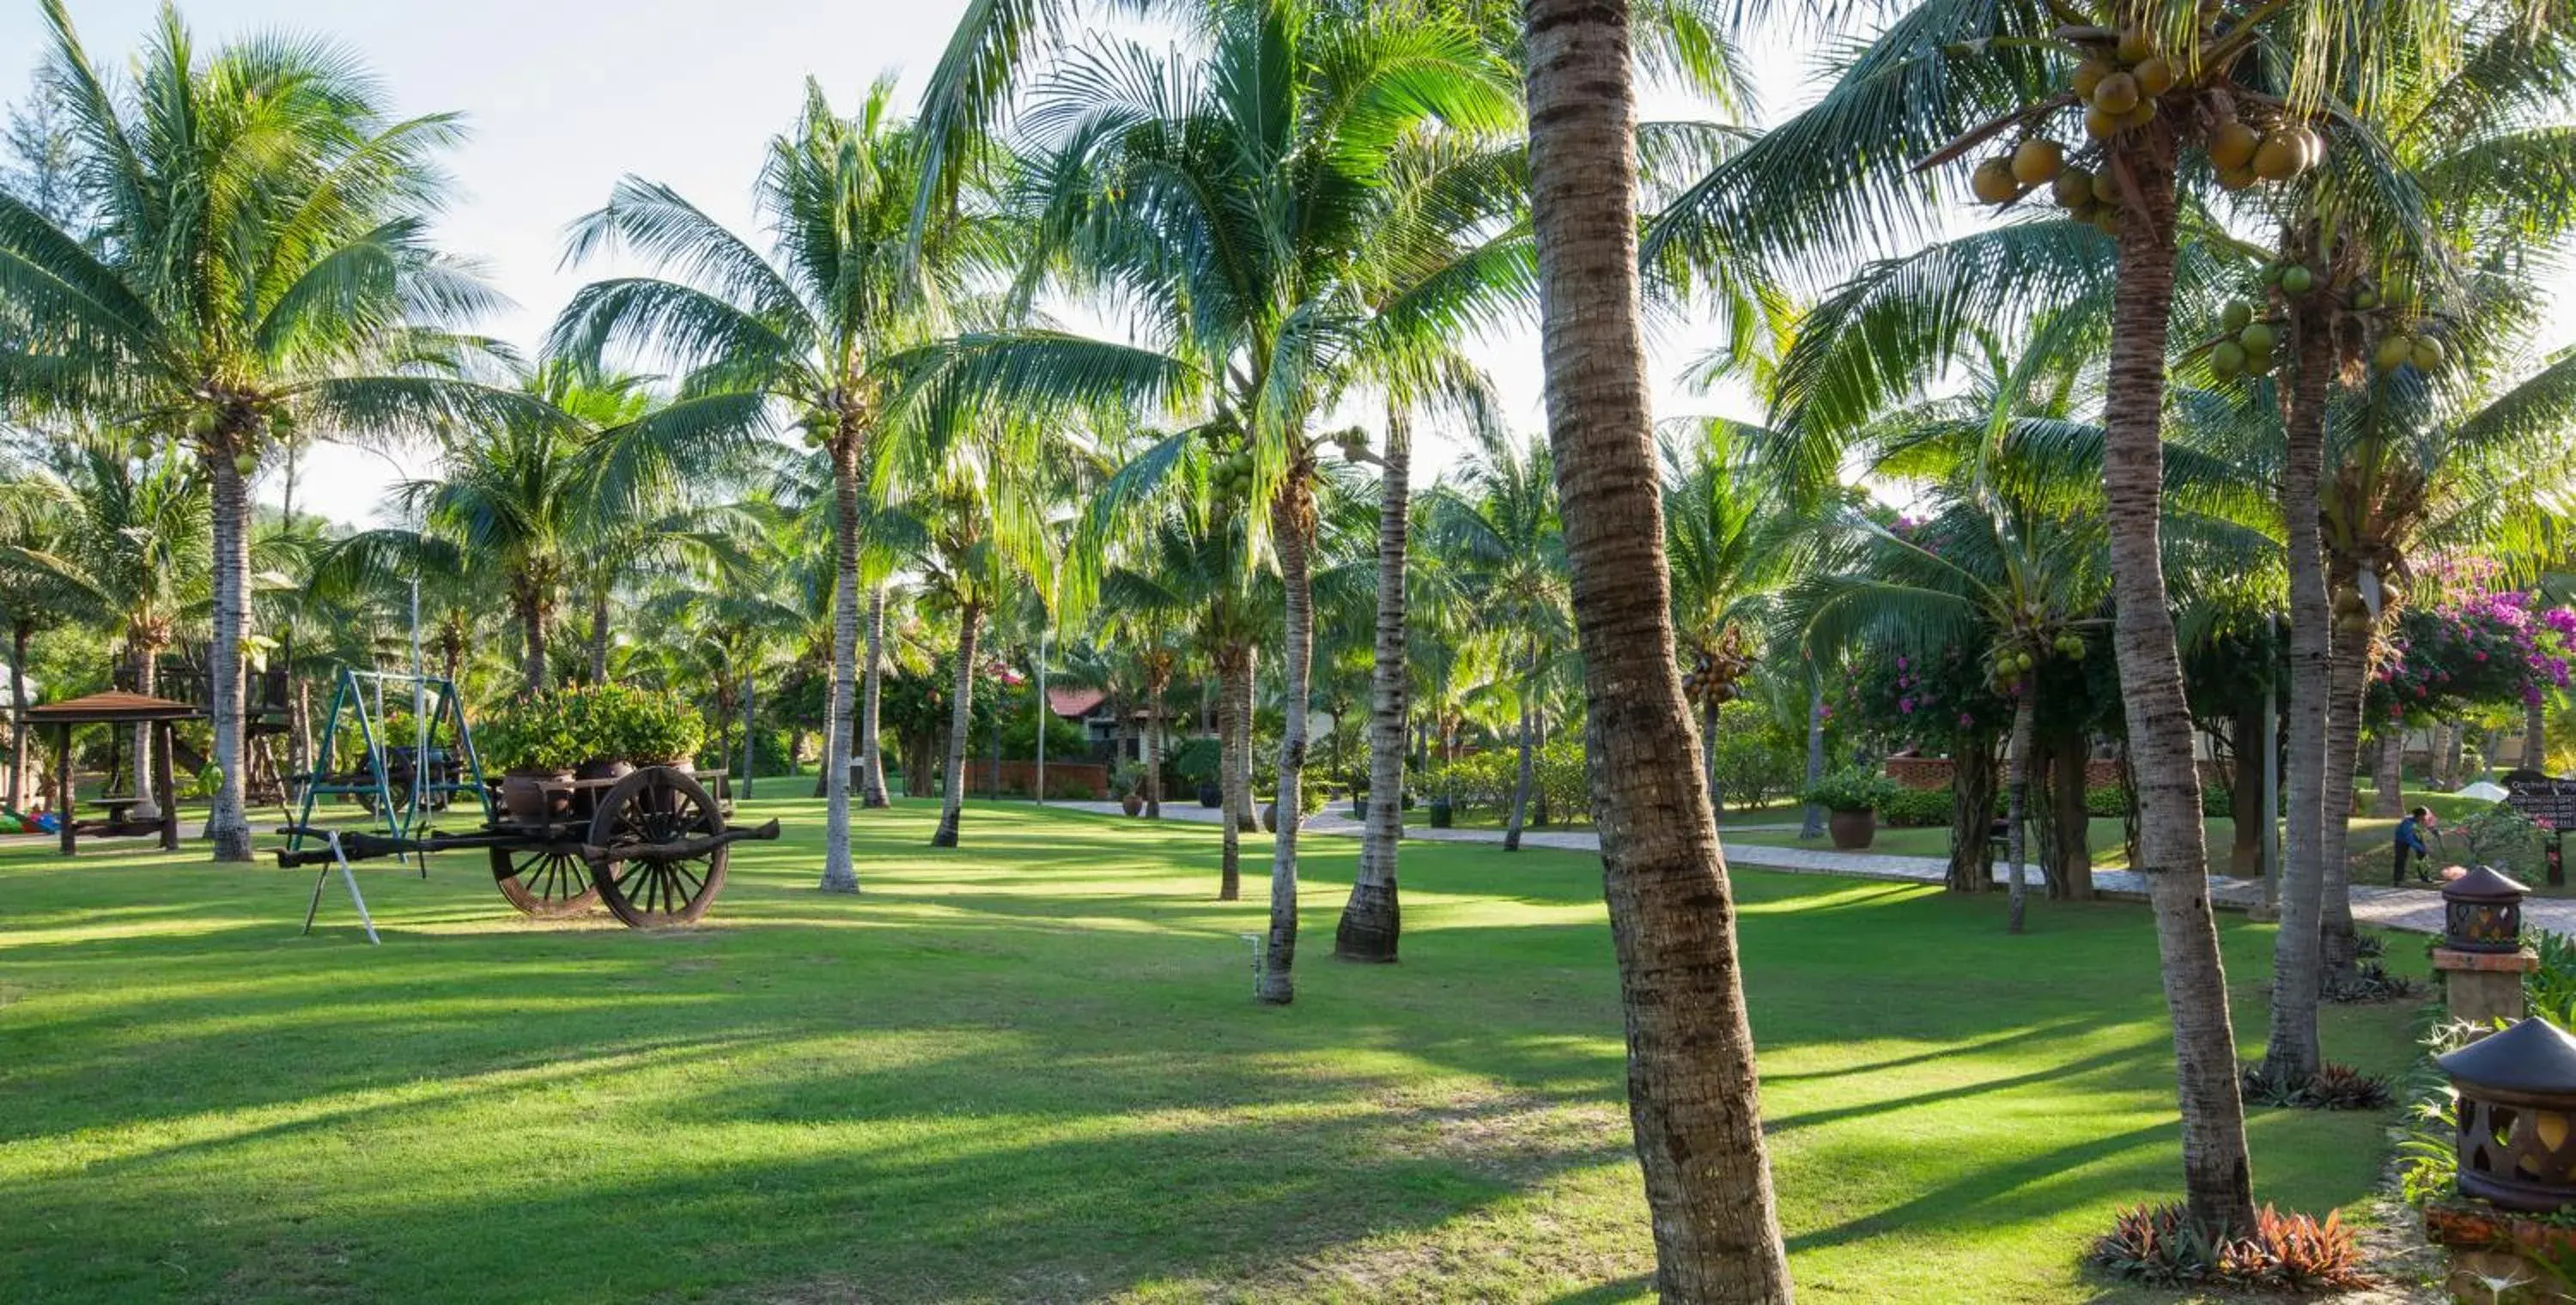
{"x":2413,"y":910}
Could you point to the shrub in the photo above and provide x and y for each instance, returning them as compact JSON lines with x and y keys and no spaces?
{"x":2106,"y":801}
{"x":1756,"y":760}
{"x":1853,"y":788}
{"x":1198,"y":761}
{"x":2335,"y":1087}
{"x":1917,"y":807}
{"x":620,"y":722}
{"x":531,"y":735}
{"x":1076,"y":792}
{"x":2161,"y":1246}
{"x":2216,"y":800}
{"x":2369,"y":982}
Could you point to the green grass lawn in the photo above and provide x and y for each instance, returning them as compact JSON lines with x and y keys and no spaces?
{"x":1030,"y":1069}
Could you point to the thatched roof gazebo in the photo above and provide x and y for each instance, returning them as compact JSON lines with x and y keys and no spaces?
{"x":117,"y":708}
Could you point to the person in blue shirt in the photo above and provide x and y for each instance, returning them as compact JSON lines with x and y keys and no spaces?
{"x":2410,"y":838}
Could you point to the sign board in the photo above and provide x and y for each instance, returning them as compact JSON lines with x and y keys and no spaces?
{"x":2550,"y":800}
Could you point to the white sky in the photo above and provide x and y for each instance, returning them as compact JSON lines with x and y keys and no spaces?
{"x":563,"y":96}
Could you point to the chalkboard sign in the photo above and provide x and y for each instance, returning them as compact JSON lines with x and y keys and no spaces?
{"x":2551,"y":800}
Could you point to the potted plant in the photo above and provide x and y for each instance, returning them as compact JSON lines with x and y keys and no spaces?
{"x":1852,"y":795}
{"x":1130,"y":783}
{"x":649,"y":728}
{"x":1211,"y":794}
{"x":536,"y":751}
{"x":1444,"y":812}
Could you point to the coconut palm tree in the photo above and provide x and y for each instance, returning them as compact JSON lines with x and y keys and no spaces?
{"x":1496,"y":521}
{"x":131,"y":557}
{"x":1731,"y":536}
{"x":804,"y":332}
{"x":258,"y":263}
{"x":1692,"y":1095}
{"x":1231,"y":201}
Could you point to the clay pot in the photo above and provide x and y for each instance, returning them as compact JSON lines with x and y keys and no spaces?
{"x":1852,"y":830}
{"x":536,"y":797}
{"x":1132,"y":803}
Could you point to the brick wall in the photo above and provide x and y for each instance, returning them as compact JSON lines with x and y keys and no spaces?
{"x":1019,"y":777}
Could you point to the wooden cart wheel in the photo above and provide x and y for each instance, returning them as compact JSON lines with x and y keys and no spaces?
{"x":655,"y":808}
{"x":544,"y":882}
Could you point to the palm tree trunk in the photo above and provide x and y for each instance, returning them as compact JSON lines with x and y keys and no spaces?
{"x":840,"y":875}
{"x":1373,"y":919}
{"x":147,"y":666}
{"x":1249,"y":820}
{"x":599,"y":634}
{"x":1291,"y":519}
{"x":1154,"y":748}
{"x":20,"y":791}
{"x":1972,"y":816}
{"x":229,"y":823}
{"x":2292,"y":1054}
{"x":1521,"y":782}
{"x":1693,"y":1101}
{"x":2388,"y":775}
{"x":2017,"y":805}
{"x":530,"y":601}
{"x":2245,"y":788}
{"x":2535,"y":735}
{"x":1708,"y":751}
{"x":2074,"y":824}
{"x":2348,"y":679}
{"x":2217,"y":1176}
{"x":872,"y":785}
{"x":1234,"y":749}
{"x":961,"y":721}
{"x":1814,"y":824}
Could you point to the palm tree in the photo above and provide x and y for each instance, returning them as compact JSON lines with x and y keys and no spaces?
{"x":258,"y":264}
{"x":981,"y":509}
{"x":1693,"y":1099}
{"x":1730,"y":537}
{"x":805,"y":331}
{"x":1497,"y":522}
{"x":132,"y":557}
{"x":1237,"y":225}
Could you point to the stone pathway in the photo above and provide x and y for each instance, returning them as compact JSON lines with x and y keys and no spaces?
{"x":2414,"y":910}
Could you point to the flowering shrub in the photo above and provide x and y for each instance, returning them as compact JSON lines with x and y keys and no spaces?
{"x":2479,"y":650}
{"x":1928,"y":699}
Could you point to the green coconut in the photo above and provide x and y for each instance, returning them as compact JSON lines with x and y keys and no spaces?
{"x":2298,"y":280}
{"x":2393,"y":351}
{"x":2236,"y":314}
{"x":2073,"y":188}
{"x":2258,"y":337}
{"x":2227,"y":360}
{"x":2426,"y":353}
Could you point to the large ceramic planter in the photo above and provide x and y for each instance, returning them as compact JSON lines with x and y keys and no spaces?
{"x":1852,"y":830}
{"x":1359,"y":808}
{"x":1442,"y":813}
{"x":1211,"y":796}
{"x":610,"y":769}
{"x":1131,"y":804}
{"x":537,"y":797}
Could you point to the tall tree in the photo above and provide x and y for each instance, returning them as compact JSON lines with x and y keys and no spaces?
{"x":1229,"y":202}
{"x":1692,"y":1095}
{"x":804,"y":331}
{"x":257,"y":263}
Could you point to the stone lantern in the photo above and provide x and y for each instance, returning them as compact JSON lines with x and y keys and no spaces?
{"x":2482,"y":912}
{"x":2517,"y":1138}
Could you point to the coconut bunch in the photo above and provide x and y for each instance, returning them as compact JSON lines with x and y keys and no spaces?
{"x":1230,"y":475}
{"x":2247,"y":340}
{"x":2123,"y":83}
{"x":2011,"y":662}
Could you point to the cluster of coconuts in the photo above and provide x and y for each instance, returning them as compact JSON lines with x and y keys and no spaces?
{"x":2119,"y":84}
{"x":2011,"y":664}
{"x":2247,"y":347}
{"x":1231,"y":475}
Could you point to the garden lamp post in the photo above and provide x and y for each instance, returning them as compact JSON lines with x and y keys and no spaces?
{"x":2517,"y":1112}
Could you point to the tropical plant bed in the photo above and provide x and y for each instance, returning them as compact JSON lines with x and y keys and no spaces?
{"x":1052,"y":1083}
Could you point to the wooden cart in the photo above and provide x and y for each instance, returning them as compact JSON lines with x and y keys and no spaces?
{"x":651,"y":846}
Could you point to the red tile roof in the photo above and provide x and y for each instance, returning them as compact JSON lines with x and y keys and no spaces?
{"x":1074,"y":704}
